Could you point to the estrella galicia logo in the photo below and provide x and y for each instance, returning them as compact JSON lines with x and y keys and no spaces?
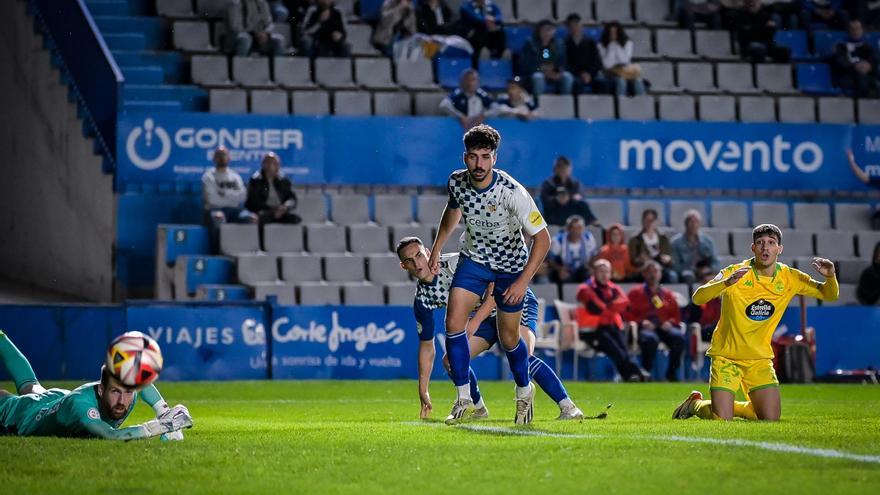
{"x":149,"y":147}
{"x":760,"y":310}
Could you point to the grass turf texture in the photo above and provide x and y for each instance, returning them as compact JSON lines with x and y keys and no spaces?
{"x":365,"y":437}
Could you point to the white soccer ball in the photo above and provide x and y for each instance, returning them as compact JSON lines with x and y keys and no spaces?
{"x":134,"y":359}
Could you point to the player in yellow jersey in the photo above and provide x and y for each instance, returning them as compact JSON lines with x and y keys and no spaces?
{"x":754,"y":295}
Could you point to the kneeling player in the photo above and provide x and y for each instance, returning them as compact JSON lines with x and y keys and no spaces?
{"x":95,"y":409}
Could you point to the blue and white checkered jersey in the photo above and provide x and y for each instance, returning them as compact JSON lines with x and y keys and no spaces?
{"x":494,"y":218}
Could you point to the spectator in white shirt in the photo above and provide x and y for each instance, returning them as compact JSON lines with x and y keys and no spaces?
{"x":616,"y":50}
{"x":223,"y":193}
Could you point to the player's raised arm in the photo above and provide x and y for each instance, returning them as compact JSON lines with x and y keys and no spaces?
{"x":829,"y":290}
{"x":715,"y":287}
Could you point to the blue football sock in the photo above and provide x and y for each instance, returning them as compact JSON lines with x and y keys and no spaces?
{"x":546,"y":378}
{"x":475,"y":388}
{"x":459,"y":354}
{"x":518,"y":359}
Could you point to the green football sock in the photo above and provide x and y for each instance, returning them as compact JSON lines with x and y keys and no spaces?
{"x":16,"y":364}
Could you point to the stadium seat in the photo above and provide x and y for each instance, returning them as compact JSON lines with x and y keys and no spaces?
{"x":847,"y":296}
{"x":736,"y":78}
{"x":696,"y":77}
{"x":824,"y":42}
{"x":430,"y":207}
{"x":556,"y":106}
{"x":239,"y":238}
{"x":677,"y":108}
{"x":721,"y":238}
{"x":334,"y":72}
{"x":173,"y":241}
{"x":569,"y":292}
{"x":835,"y":244}
{"x":797,"y":109}
{"x":717,"y":108}
{"x":368,"y":238}
{"x":660,"y":75}
{"x":714,"y":44}
{"x":318,"y":294}
{"x":546,"y":291}
{"x":677,"y":209}
{"x":310,"y":103}
{"x":190,"y":271}
{"x":637,"y":108}
{"x":344,"y":268}
{"x":652,"y":12}
{"x":494,"y":73}
{"x":347,"y":7}
{"x":635,"y":208}
{"x":269,"y":102}
{"x":775,"y":78}
{"x":293,"y":72}
{"x":798,"y":243}
{"x":449,"y":70}
{"x":383,"y":268}
{"x":358,"y":36}
{"x":848,"y":269}
{"x":757,"y":109}
{"x":374,"y":73}
{"x":422,"y":231}
{"x":506,"y":7}
{"x":363,"y":294}
{"x":174,"y":8}
{"x":400,"y":294}
{"x":852,"y":216}
{"x":607,"y":211}
{"x":867,"y":240}
{"x":729,"y":214}
{"x":741,"y":242}
{"x":837,"y":110}
{"x":815,"y":79}
{"x":222,"y":292}
{"x":209,"y":8}
{"x":595,"y":107}
{"x":312,"y":208}
{"x":301,"y":268}
{"x":352,"y":103}
{"x":517,"y":36}
{"x":674,"y":43}
{"x":813,"y":216}
{"x":532,"y":12}
{"x":428,"y":103}
{"x":794,"y":40}
{"x":771,"y":212}
{"x":643,"y":46}
{"x":349,"y":208}
{"x":256,"y":268}
{"x":325,"y":238}
{"x":192,"y":36}
{"x":252,"y":72}
{"x":416,"y":75}
{"x":280,"y":238}
{"x":613,"y":10}
{"x":580,"y":7}
{"x":228,"y":101}
{"x":869,"y":111}
{"x":210,"y":70}
{"x":396,"y":103}
{"x":285,"y":294}
{"x":393,"y":208}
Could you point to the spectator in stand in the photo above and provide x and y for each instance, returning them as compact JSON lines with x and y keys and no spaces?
{"x":295,"y":14}
{"x":583,"y":59}
{"x":868,"y":289}
{"x":870,"y":177}
{"x":482,"y":25}
{"x":828,"y":12}
{"x":755,"y":25}
{"x":397,"y":21}
{"x":542,"y":61}
{"x":279,"y":11}
{"x":561,"y":196}
{"x":653,"y":312}
{"x":571,"y":252}
{"x":869,"y":12}
{"x":602,"y":303}
{"x":517,"y":102}
{"x":325,"y":24}
{"x":469,"y":103}
{"x":249,"y":28}
{"x":616,"y":50}
{"x":856,"y":64}
{"x":650,"y":244}
{"x":786,"y":12}
{"x":707,"y":11}
{"x":616,"y":252}
{"x":223,"y":193}
{"x":693,"y":248}
{"x":435,"y":17}
{"x":270,"y":196}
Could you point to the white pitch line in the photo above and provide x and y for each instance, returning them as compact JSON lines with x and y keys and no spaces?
{"x":770,"y":446}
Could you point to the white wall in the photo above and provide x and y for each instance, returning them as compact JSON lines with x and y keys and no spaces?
{"x":56,"y":206}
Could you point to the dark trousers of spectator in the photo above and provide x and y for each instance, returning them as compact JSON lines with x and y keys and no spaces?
{"x":610,"y":340}
{"x":839,"y":21}
{"x":600,"y":85}
{"x":578,"y":276}
{"x":757,"y":52}
{"x":861,"y":85}
{"x":494,"y":41}
{"x":688,"y":14}
{"x":649,"y":340}
{"x":268,"y":216}
{"x":214,"y":218}
{"x":330,"y":49}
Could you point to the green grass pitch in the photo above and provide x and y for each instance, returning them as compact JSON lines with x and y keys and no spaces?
{"x":365,"y":437}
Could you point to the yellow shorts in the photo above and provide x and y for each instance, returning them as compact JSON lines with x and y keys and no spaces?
{"x":748,"y":374}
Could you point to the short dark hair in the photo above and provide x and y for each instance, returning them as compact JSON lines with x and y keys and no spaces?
{"x":480,"y":137}
{"x":652,"y":211}
{"x":105,"y":376}
{"x":767,"y":229}
{"x":574,"y":16}
{"x":562,"y":160}
{"x":406,"y":241}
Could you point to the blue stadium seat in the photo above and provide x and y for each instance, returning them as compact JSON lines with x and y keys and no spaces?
{"x":517,"y":37}
{"x":449,"y":70}
{"x":222,"y":292}
{"x":874,"y":39}
{"x":796,"y":41}
{"x":199,"y":270}
{"x":825,"y":41}
{"x":815,"y":79}
{"x":179,"y":240}
{"x":495,"y":73}
{"x":371,"y":9}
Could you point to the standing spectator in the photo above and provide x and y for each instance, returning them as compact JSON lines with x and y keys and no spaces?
{"x":543,"y":61}
{"x":483,"y":27}
{"x":223,"y":192}
{"x":249,"y":27}
{"x":602,"y":304}
{"x":691,"y":11}
{"x":755,"y":25}
{"x":583,"y":59}
{"x":571,"y":252}
{"x":868,"y":290}
{"x":435,"y":17}
{"x":325,"y":24}
{"x":517,"y":102}
{"x":616,"y":50}
{"x":398,"y":20}
{"x":693,"y":248}
{"x":616,"y":251}
{"x":651,"y":244}
{"x":828,"y":12}
{"x":654,"y":313}
{"x":469,"y":103}
{"x":856,"y":64}
{"x":270,"y":196}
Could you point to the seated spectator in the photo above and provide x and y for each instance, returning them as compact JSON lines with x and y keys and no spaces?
{"x":469,"y":103}
{"x":542,"y":61}
{"x":398,"y":21}
{"x":325,"y":25}
{"x":517,"y":102}
{"x":701,"y":320}
{"x":868,"y":289}
{"x":616,"y":50}
{"x":869,"y":177}
{"x":279,"y":11}
{"x":692,"y":248}
{"x":691,"y":11}
{"x":223,"y":192}
{"x":650,"y":244}
{"x":602,"y":303}
{"x":785,"y":12}
{"x":296,"y":15}
{"x":583,"y":60}
{"x":654,"y":313}
{"x":754,"y":26}
{"x":249,"y":27}
{"x":482,"y":25}
{"x":616,"y":252}
{"x":856,"y":64}
{"x":270,"y":196}
{"x":571,"y":252}
{"x":561,"y":196}
{"x":435,"y":17}
{"x":828,"y":12}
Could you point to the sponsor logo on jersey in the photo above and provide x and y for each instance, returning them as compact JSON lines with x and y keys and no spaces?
{"x":492,"y":205}
{"x":535,"y":218}
{"x":476,"y":222}
{"x":760,"y":310}
{"x":748,"y":283}
{"x":93,"y":413}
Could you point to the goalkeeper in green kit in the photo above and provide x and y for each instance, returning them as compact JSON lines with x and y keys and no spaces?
{"x":95,"y":409}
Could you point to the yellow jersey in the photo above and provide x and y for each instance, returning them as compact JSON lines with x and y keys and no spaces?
{"x":752,"y":307}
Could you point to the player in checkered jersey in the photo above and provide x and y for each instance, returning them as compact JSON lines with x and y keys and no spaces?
{"x":432,"y":294}
{"x":496,"y":209}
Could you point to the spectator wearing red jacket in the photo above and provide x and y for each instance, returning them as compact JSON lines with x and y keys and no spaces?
{"x":655,"y":314}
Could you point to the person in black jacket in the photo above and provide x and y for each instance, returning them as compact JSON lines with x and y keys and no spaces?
{"x":755,"y":26}
{"x":270,"y":195}
{"x":435,"y":17}
{"x":326,"y":26}
{"x":856,"y":64}
{"x":868,"y":290}
{"x":583,"y":59}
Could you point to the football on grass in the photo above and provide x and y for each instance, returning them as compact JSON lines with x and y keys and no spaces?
{"x":134,"y":359}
